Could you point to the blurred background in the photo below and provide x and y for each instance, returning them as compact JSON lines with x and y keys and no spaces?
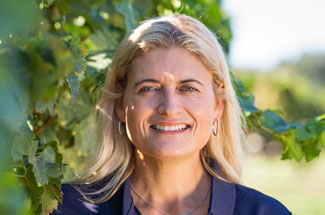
{"x":278,"y":51}
{"x":53,"y":60}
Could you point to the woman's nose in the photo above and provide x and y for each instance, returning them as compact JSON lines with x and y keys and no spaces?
{"x":169,"y":104}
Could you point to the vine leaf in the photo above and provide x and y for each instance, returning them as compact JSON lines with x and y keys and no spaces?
{"x":314,"y":127}
{"x":35,"y":191}
{"x":322,"y":139}
{"x":291,"y":148}
{"x":273,"y":121}
{"x":73,"y":81}
{"x":44,"y":165}
{"x":131,"y":15}
{"x":48,"y":202}
{"x":63,"y":6}
{"x":302,"y":133}
{"x":78,"y":51}
{"x":247,"y":103}
{"x":22,"y":143}
{"x":42,"y":106}
{"x":311,"y":150}
{"x":49,"y":2}
{"x":107,"y":37}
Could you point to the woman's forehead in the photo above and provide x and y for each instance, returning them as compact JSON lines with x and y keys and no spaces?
{"x":168,"y":64}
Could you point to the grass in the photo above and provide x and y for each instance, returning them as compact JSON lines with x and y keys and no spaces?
{"x":300,"y":186}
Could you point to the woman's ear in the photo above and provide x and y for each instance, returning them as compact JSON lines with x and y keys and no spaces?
{"x":119,"y":110}
{"x":220,"y":104}
{"x":220,"y":101}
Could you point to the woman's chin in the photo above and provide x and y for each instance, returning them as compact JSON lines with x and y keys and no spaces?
{"x":170,"y":152}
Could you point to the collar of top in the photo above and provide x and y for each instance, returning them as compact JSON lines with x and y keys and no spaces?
{"x":222,"y":201}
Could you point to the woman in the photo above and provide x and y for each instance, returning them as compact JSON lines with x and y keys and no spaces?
{"x":171,"y":131}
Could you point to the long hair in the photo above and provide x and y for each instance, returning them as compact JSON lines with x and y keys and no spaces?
{"x":115,"y":161}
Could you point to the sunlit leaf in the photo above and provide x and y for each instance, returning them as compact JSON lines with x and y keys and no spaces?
{"x":321,"y":139}
{"x":48,"y":200}
{"x":291,"y":148}
{"x":311,"y":150}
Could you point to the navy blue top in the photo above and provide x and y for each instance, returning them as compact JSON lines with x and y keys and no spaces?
{"x":226,"y":199}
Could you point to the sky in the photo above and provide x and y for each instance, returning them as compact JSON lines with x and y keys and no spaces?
{"x":266,"y":32}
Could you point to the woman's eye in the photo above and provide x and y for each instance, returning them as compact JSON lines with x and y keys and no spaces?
{"x":188,"y":89}
{"x":148,"y":89}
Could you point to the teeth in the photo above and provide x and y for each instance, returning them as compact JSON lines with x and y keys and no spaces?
{"x":170,"y":128}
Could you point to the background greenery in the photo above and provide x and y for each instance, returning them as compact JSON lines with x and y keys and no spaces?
{"x":54,"y":55}
{"x":297,"y":89}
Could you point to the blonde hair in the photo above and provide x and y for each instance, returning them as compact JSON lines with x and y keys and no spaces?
{"x":115,"y":161}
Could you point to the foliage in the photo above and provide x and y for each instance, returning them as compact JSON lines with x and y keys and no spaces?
{"x":297,"y":140}
{"x":53,"y":61}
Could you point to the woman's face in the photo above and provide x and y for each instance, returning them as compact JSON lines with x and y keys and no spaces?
{"x":169,"y":104}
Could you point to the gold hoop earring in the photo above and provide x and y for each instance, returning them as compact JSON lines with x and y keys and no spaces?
{"x":215,"y":127}
{"x":119,"y":127}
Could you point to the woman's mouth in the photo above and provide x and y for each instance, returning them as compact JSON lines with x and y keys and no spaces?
{"x":170,"y":128}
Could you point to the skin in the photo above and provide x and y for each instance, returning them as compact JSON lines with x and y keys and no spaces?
{"x":169,"y":87}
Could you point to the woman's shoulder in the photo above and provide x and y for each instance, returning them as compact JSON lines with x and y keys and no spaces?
{"x":74,"y":203}
{"x":256,"y":202}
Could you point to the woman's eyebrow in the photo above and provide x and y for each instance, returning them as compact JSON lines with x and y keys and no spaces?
{"x":150,"y":80}
{"x":190,"y":80}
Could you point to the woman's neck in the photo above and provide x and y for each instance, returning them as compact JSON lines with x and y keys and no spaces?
{"x":177,"y":184}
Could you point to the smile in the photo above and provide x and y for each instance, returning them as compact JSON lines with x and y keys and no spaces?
{"x":179,"y":127}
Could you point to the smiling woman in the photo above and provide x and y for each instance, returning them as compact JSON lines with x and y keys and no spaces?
{"x":168,"y":119}
{"x":171,"y":132}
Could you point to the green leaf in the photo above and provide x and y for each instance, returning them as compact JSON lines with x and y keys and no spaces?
{"x":239,"y":86}
{"x":107,"y":37}
{"x":314,"y":127}
{"x":44,"y":165}
{"x":63,"y":6}
{"x":76,"y":47}
{"x":12,"y":195}
{"x":22,"y":142}
{"x":86,"y":135}
{"x":72,"y":112}
{"x":247,"y":103}
{"x":49,"y":203}
{"x":49,"y":133}
{"x":17,"y":17}
{"x":321,"y":139}
{"x":273,"y":121}
{"x":43,"y":106}
{"x":35,"y":191}
{"x":97,"y":62}
{"x":302,"y":134}
{"x":74,"y":85}
{"x":131,"y":15}
{"x":320,"y":118}
{"x":58,"y":155}
{"x":49,"y":2}
{"x":311,"y":150}
{"x":291,"y":148}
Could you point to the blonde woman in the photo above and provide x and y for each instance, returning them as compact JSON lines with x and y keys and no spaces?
{"x":171,"y":131}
